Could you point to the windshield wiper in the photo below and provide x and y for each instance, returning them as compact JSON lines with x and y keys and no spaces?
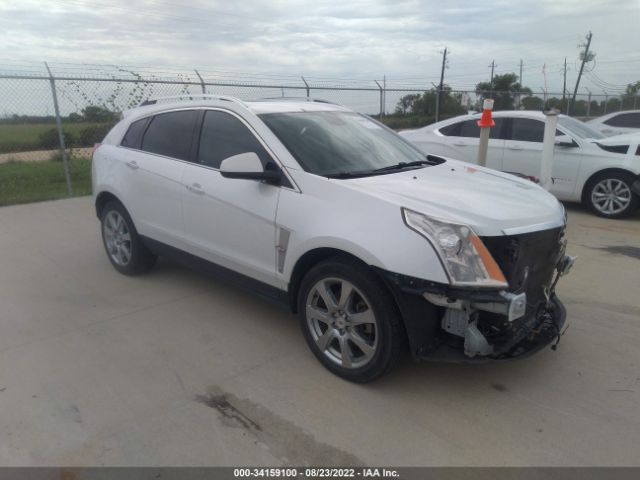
{"x":382,"y":170}
{"x":350,"y":174}
{"x":403,"y":165}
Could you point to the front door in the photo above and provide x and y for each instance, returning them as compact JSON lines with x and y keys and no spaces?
{"x":523,"y":154}
{"x":230,"y":222}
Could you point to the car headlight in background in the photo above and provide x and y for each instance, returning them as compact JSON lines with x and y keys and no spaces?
{"x":464,"y":257}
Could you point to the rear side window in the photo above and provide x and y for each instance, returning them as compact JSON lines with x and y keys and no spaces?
{"x":131,"y":139}
{"x":452,"y":130}
{"x":224,"y":136}
{"x":527,"y":130}
{"x":170,"y":134}
{"x":470,"y":129}
{"x":625,"y":120}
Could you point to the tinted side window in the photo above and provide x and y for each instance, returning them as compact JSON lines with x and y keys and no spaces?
{"x":628,"y":120}
{"x":170,"y":134}
{"x":452,"y":130}
{"x":131,"y":139}
{"x":527,"y":130}
{"x":498,"y":132}
{"x":223,"y":136}
{"x":469,"y":128}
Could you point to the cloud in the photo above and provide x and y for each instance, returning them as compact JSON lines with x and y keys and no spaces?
{"x":355,"y":39}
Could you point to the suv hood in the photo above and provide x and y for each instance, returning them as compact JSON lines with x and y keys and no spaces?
{"x":491,"y":202}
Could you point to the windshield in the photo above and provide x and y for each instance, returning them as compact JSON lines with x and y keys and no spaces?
{"x":338,"y":143}
{"x":578,"y":128}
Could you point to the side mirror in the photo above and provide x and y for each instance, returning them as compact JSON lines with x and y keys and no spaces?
{"x":249,"y":167}
{"x":565,"y":141}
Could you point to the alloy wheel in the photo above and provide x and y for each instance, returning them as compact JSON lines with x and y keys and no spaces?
{"x":117,"y":238}
{"x":611,"y":196}
{"x":342,"y":323}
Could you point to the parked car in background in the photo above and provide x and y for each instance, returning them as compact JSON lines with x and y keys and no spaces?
{"x":601,"y":172}
{"x":376,"y":245}
{"x":617,"y":123}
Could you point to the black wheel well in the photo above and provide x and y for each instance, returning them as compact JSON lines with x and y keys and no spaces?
{"x":599,"y":173}
{"x":102,"y":199}
{"x":306,"y":262}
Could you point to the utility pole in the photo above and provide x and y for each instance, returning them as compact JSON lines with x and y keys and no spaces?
{"x":441,"y":85}
{"x":564,"y":85}
{"x":588,"y":104}
{"x":585,"y":58}
{"x":520,"y":77}
{"x":521,"y":84}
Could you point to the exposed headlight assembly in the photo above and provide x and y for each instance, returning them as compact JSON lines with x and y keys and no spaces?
{"x":464,"y":257}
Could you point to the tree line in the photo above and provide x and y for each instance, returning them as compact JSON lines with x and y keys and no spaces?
{"x":418,"y":109}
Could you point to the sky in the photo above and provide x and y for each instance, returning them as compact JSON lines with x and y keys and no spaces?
{"x":332,"y":41}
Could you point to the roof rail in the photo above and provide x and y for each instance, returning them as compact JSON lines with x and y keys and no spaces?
{"x":191,"y":96}
{"x":306,"y":99}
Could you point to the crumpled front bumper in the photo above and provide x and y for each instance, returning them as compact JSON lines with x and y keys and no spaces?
{"x":424,"y":320}
{"x":530,"y":334}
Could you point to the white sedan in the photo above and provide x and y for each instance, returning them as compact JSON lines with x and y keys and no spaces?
{"x":617,"y":123}
{"x":602,"y":172}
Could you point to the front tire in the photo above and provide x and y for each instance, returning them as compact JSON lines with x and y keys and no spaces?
{"x":123,"y":245}
{"x":349,"y":320}
{"x":609,"y":195}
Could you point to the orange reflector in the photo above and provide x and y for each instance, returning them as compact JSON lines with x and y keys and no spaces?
{"x":489,"y":263}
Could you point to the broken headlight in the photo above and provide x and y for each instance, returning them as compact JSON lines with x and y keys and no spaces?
{"x":464,"y":257}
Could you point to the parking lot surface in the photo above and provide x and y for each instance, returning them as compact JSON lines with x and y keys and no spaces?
{"x":175,"y":368}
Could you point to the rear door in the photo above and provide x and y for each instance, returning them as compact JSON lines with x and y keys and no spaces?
{"x":464,"y":138}
{"x":230,"y":222}
{"x":156,"y":164}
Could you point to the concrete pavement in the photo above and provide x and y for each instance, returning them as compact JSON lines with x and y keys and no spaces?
{"x":174,"y":368}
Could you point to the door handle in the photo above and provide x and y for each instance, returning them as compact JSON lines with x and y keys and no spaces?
{"x":514,"y":147}
{"x":460,"y":144}
{"x":132,"y":164}
{"x":195,"y":188}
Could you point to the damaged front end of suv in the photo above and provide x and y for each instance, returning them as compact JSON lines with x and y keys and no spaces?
{"x":500,"y":302}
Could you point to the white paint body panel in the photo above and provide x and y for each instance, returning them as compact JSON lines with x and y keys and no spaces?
{"x":611,"y":130}
{"x":235,"y":222}
{"x":572,"y":166}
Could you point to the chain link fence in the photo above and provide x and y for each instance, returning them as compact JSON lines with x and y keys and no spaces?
{"x":50,"y":120}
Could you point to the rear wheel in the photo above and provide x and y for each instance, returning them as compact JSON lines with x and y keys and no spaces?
{"x":349,"y":320}
{"x":609,"y":195}
{"x":122,"y":243}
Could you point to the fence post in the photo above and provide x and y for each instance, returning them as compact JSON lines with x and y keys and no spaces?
{"x":63,"y":149}
{"x":306,"y":85}
{"x":204,"y":88}
{"x":384,"y":95}
{"x":381,"y":99}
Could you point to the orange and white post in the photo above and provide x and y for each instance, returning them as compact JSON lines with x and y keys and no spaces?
{"x":485,"y":123}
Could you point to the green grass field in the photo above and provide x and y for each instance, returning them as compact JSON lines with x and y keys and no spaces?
{"x":25,"y":182}
{"x":26,"y":136}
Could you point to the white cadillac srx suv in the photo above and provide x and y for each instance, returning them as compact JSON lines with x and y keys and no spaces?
{"x":377,"y":246}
